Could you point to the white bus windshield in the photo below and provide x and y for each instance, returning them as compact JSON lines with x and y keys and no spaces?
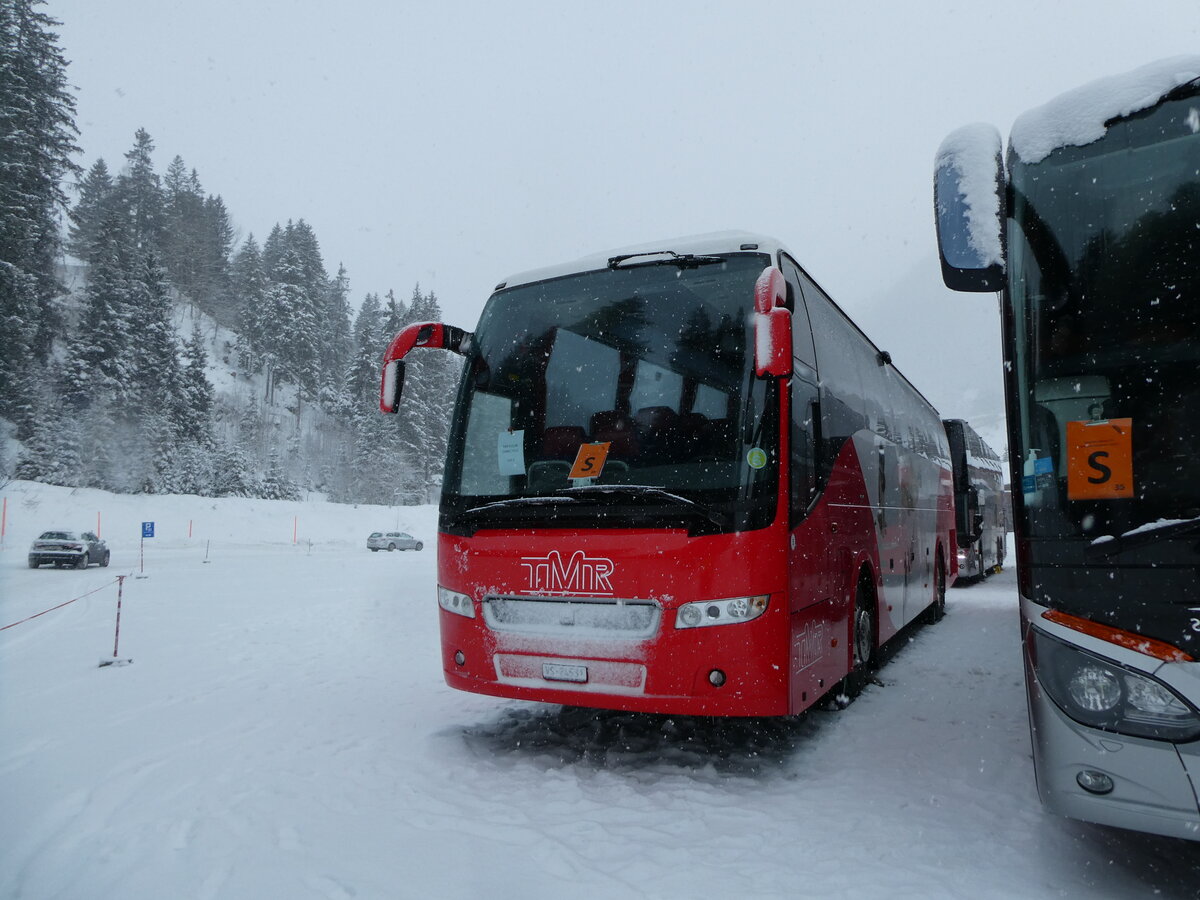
{"x":1105,"y":257}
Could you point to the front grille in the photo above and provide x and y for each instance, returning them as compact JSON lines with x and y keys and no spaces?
{"x":572,"y":616}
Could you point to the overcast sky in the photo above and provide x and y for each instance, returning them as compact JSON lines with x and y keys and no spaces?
{"x":455,"y":143}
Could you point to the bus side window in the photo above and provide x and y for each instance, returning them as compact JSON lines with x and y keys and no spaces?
{"x":802,"y":337}
{"x":805,"y":406}
{"x":804,"y":425}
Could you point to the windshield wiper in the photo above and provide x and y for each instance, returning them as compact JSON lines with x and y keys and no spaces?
{"x":664,"y":258}
{"x":1140,"y":537}
{"x":535,"y":500}
{"x":649,"y":492}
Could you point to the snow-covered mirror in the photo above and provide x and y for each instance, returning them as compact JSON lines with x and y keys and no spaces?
{"x":772,"y":326}
{"x":391,"y":387}
{"x":968,"y":201}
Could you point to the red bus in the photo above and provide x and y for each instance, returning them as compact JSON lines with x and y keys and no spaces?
{"x":680,"y":480}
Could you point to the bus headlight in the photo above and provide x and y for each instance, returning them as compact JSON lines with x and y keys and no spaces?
{"x":703,"y":613}
{"x":454,"y":602}
{"x":1103,"y":694}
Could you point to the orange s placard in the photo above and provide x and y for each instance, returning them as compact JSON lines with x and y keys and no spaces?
{"x":1100,"y":460}
{"x":589,"y":461}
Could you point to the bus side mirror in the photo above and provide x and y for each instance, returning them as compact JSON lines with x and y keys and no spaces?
{"x":772,"y":326}
{"x":433,"y":335}
{"x":968,"y":199}
{"x":392,"y":386}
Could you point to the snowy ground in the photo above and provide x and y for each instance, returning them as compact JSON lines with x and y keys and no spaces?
{"x":284,"y":731}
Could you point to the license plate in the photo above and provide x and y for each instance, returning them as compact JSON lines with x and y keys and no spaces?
{"x":559,"y":672}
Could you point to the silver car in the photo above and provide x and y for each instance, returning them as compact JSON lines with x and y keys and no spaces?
{"x":392,"y":540}
{"x":68,"y":548}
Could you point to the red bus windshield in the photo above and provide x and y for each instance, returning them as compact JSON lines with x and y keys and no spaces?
{"x":630,"y":387}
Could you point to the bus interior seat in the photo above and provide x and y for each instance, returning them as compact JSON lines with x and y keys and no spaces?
{"x":658,"y":431}
{"x":615,"y":429}
{"x":563,"y":441}
{"x":1044,"y":434}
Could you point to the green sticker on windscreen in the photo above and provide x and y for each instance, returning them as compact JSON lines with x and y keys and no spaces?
{"x":756,"y":458}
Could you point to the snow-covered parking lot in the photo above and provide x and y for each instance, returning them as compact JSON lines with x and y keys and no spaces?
{"x":284,"y":731}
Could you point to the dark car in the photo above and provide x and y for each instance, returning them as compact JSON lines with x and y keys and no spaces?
{"x":68,"y":548}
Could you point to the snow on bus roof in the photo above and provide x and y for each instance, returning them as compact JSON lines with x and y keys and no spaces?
{"x":714,"y":242}
{"x":1077,"y":117}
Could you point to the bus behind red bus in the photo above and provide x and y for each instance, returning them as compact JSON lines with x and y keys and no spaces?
{"x":680,"y":480}
{"x":980,"y":503}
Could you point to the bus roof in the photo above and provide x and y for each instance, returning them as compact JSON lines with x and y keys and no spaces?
{"x":1079,"y":117}
{"x":700,"y":244}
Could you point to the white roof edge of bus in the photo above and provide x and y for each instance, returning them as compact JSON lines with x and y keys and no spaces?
{"x":1077,"y":117}
{"x":713,"y":242}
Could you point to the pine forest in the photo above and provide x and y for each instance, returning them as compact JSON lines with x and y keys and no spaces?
{"x":146,"y":347}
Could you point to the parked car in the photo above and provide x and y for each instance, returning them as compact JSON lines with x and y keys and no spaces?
{"x":392,"y":540}
{"x":68,"y":548}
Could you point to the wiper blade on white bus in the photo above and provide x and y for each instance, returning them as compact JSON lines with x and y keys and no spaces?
{"x":662,"y":258}
{"x":1146,"y":534}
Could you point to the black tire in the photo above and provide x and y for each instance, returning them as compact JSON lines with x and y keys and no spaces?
{"x":938,"y":610}
{"x":373,"y":549}
{"x":33,"y":564}
{"x":391,"y":547}
{"x":865,"y":630}
{"x":862,"y":646}
{"x":82,"y":562}
{"x":419,"y":546}
{"x":104,"y":561}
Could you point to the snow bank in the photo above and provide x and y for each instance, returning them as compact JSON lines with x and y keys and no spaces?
{"x":181,"y":521}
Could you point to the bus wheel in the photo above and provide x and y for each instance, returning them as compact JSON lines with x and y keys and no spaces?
{"x":862,"y":647}
{"x":864,"y":630}
{"x":938,"y":609}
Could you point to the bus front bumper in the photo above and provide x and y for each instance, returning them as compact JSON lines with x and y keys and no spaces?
{"x":1153,"y":783}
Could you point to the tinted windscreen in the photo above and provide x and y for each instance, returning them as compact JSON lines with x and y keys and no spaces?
{"x":638,"y":376}
{"x":1105,"y":256}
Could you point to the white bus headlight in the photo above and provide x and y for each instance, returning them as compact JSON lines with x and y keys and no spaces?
{"x":1103,"y":694}
{"x":454,"y":602}
{"x":1095,"y":688}
{"x":703,"y":613}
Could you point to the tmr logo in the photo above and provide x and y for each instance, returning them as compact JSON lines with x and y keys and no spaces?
{"x":809,"y":645}
{"x":581,"y":576}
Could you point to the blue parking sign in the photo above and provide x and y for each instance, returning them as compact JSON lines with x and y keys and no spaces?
{"x":147,"y":529}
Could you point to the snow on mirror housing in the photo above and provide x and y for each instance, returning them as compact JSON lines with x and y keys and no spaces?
{"x":772,"y":326}
{"x":968,"y":200}
{"x":702,"y":613}
{"x":1105,"y":695}
{"x":433,"y":335}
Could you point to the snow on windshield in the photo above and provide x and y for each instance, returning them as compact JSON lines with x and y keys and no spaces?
{"x":1077,"y":117}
